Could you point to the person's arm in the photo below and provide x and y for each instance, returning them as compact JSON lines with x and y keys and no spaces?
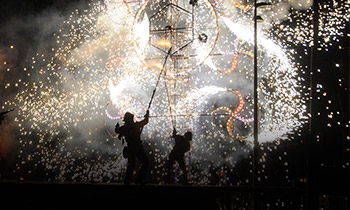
{"x":117,"y":128}
{"x":144,"y":121}
{"x":121,"y":131}
{"x":174,"y":133}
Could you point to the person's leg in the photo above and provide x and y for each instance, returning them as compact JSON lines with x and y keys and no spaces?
{"x":169,"y":166}
{"x":144,"y":166}
{"x":130,"y":168}
{"x":181,"y":161}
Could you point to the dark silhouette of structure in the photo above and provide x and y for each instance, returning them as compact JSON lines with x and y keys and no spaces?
{"x":131,"y":132}
{"x":182,"y":145}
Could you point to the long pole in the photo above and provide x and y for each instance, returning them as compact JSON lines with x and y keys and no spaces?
{"x":161,"y":72}
{"x":155,"y":88}
{"x":256,"y":142}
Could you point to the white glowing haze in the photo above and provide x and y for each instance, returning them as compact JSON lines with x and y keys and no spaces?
{"x":109,"y":69}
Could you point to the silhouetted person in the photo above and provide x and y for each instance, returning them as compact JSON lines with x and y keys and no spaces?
{"x":182,"y":145}
{"x":131,"y":131}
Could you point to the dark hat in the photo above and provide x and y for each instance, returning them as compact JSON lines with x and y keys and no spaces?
{"x":128,"y":116}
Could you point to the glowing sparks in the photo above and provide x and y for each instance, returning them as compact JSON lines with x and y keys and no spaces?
{"x":164,"y":43}
{"x":95,"y":76}
{"x":141,"y":34}
{"x":156,"y":64}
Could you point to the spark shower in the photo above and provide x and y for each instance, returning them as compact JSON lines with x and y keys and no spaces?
{"x":107,"y":60}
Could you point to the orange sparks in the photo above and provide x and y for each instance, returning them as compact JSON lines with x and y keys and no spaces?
{"x":164,"y":43}
{"x":156,"y":64}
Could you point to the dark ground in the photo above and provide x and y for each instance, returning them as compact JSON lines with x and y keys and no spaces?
{"x":40,"y":195}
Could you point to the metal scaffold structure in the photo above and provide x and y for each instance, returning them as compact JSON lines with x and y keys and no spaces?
{"x":171,"y":49}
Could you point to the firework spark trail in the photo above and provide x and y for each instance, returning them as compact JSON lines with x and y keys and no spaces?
{"x":64,"y":99}
{"x":281,"y":83}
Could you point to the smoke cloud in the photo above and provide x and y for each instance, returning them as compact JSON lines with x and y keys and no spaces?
{"x":75,"y":66}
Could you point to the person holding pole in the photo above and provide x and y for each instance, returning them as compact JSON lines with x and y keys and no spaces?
{"x":131,"y":131}
{"x":182,"y":145}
